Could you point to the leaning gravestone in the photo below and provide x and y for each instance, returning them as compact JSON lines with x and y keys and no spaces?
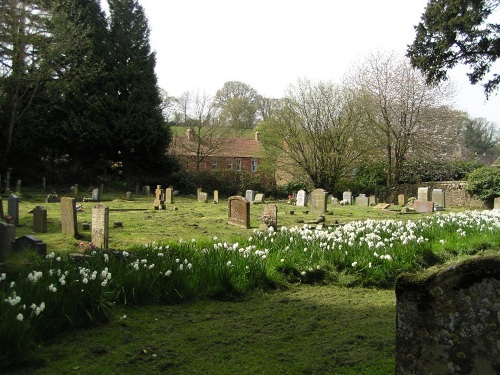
{"x":423,"y":194}
{"x":100,"y":226}
{"x":40,"y":219}
{"x":301,"y":198}
{"x":347,"y":197}
{"x":438,"y":198}
{"x":7,"y":238}
{"x":448,"y":322}
{"x":250,"y":195}
{"x":423,"y":206}
{"x":13,"y":208}
{"x":318,"y":201}
{"x":68,"y":216}
{"x":239,"y":212}
{"x":362,"y":200}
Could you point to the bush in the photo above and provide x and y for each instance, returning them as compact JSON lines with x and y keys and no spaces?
{"x":484,"y":184}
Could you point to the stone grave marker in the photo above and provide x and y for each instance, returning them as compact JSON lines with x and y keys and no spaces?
{"x":347,"y":197}
{"x":423,"y":194}
{"x":239,"y":211}
{"x":250,"y":195}
{"x":159,"y":200}
{"x":301,"y":198}
{"x":438,"y":198}
{"x":13,"y":208}
{"x":401,"y":200}
{"x":52,"y":198}
{"x":259,"y":198}
{"x":29,"y":242}
{"x":272,"y":211}
{"x":318,"y":201}
{"x":7,"y":238}
{"x":40,"y":219}
{"x":496,"y":203}
{"x":202,"y":197}
{"x":100,"y":226}
{"x":68,"y":216}
{"x":373,"y":200}
{"x":216,"y":196}
{"x":447,"y":322}
{"x":169,"y":197}
{"x":75,"y":190}
{"x":146,"y":190}
{"x":335,"y":201}
{"x":423,"y":206}
{"x":18,"y":187}
{"x":96,"y":195}
{"x":362,"y":200}
{"x":128,"y":196}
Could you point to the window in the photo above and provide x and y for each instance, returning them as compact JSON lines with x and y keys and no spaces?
{"x":238,"y":165}
{"x":254,"y":165}
{"x":230,"y":164}
{"x":214,"y":163}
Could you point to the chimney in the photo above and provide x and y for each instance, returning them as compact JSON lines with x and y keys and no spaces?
{"x":257,"y":136}
{"x":190,"y":134}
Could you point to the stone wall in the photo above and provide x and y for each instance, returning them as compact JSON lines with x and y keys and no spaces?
{"x":449,"y":322}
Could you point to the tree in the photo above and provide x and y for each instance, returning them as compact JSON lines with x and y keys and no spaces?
{"x":139,"y":132}
{"x":315,"y":132}
{"x":480,"y":135}
{"x":457,"y":31}
{"x":401,"y":111}
{"x":238,"y":104}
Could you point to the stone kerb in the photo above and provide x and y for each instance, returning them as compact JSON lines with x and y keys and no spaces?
{"x":447,"y":323}
{"x":238,"y":211}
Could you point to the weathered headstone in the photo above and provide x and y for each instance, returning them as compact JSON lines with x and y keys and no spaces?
{"x":216,"y":196}
{"x":318,"y":201}
{"x":169,"y":197}
{"x":75,"y":190}
{"x":401,"y":200}
{"x":423,"y":206}
{"x":100,"y":226}
{"x":7,"y":238}
{"x":128,"y":196}
{"x":259,"y":198}
{"x":40,"y":219}
{"x":373,"y":200}
{"x":335,"y":201}
{"x":496,"y":203}
{"x":362,"y":200}
{"x":96,"y":195}
{"x":347,"y":197}
{"x":30,"y":242}
{"x":52,"y":198}
{"x":68,"y":216}
{"x":159,"y":200}
{"x":239,"y":211}
{"x":438,"y":198}
{"x":250,"y":195}
{"x":301,"y":198}
{"x":271,"y":210}
{"x":146,"y":190}
{"x":198,"y":191}
{"x":447,"y":322}
{"x":13,"y":209}
{"x":202,"y":197}
{"x":423,"y":194}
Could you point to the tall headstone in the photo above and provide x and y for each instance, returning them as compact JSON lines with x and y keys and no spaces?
{"x":68,"y":216}
{"x":96,"y":195}
{"x":423,"y":194}
{"x":438,"y":198}
{"x":272,"y":211}
{"x":373,"y":200}
{"x":301,"y":198}
{"x":318,"y":201}
{"x":239,"y":211}
{"x":13,"y":209}
{"x":7,"y":238}
{"x":100,"y":226}
{"x":401,"y":200}
{"x":496,"y":203}
{"x":250,"y":195}
{"x":40,"y":219}
{"x":347,"y":197}
{"x":362,"y":200}
{"x":216,"y":196}
{"x":447,"y":322}
{"x":169,"y":197}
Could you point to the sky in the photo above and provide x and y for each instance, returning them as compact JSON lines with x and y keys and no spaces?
{"x":270,"y":44}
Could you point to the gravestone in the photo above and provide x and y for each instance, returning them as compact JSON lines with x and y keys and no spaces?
{"x":438,"y":198}
{"x":423,"y":194}
{"x":198,"y":191}
{"x":318,"y":201}
{"x":96,"y":195}
{"x":423,"y":206}
{"x":335,"y":201}
{"x":100,"y":226}
{"x":250,"y":195}
{"x":40,"y":219}
{"x":347,"y":197}
{"x":29,"y":242}
{"x":13,"y":209}
{"x":68,"y":216}
{"x":202,"y":197}
{"x":259,"y":198}
{"x":448,"y":322}
{"x":362,"y":200}
{"x":128,"y":196}
{"x":216,"y":196}
{"x":75,"y":190}
{"x":18,"y":187}
{"x":373,"y":200}
{"x":239,"y":212}
{"x":159,"y":200}
{"x":401,"y":200}
{"x":146,"y":190}
{"x":272,"y":211}
{"x":52,"y":198}
{"x":301,"y":198}
{"x":169,"y":198}
{"x":496,"y":203}
{"x":7,"y":238}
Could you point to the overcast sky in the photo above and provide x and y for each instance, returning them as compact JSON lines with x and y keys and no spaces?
{"x":269,"y":44}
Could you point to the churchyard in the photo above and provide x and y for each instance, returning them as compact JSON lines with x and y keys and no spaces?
{"x":315,"y":294}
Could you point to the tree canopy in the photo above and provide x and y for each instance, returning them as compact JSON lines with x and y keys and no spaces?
{"x":457,"y":31}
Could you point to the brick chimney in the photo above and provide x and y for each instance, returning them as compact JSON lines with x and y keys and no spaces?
{"x":257,"y":136}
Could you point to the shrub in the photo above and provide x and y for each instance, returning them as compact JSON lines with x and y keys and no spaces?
{"x":484,"y":184}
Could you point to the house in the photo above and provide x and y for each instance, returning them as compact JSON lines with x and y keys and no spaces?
{"x":210,"y":152}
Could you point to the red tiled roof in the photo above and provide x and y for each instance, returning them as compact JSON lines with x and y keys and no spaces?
{"x":230,"y":147}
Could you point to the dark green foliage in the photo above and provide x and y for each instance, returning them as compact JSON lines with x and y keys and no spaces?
{"x":417,"y":171}
{"x":480,"y":136}
{"x":484,"y":184}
